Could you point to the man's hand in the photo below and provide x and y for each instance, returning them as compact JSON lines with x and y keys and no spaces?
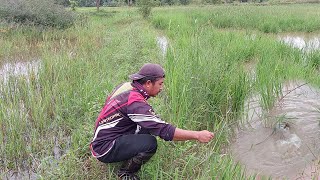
{"x":204,"y":136}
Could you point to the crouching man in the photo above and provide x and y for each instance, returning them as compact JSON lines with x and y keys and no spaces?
{"x":127,"y":124}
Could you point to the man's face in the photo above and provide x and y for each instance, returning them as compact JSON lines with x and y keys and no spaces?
{"x":153,"y":89}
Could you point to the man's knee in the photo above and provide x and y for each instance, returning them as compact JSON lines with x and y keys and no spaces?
{"x":153,"y":145}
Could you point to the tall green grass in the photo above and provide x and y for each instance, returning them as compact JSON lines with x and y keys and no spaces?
{"x":207,"y":81}
{"x":205,"y":88}
{"x":79,"y":66}
{"x":267,"y":19}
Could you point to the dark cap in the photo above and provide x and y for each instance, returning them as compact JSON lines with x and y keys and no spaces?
{"x":148,"y":70}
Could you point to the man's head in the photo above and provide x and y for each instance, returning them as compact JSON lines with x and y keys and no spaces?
{"x":151,"y":77}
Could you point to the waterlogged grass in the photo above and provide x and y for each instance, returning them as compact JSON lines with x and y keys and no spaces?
{"x":191,"y":27}
{"x":211,"y":84}
{"x":268,"y":19}
{"x":206,"y":85}
{"x":79,"y":66}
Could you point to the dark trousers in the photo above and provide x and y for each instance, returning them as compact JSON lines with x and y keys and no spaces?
{"x":129,"y":146}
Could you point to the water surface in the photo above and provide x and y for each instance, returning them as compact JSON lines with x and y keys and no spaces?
{"x":163,"y":44}
{"x":19,"y":69}
{"x":304,"y":42}
{"x":284,"y":142}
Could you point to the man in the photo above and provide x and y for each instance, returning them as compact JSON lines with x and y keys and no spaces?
{"x":127,"y":124}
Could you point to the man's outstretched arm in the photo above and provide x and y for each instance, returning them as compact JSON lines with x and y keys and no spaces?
{"x":202,"y":136}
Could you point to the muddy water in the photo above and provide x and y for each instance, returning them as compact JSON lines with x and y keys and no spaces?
{"x":285,"y":142}
{"x":19,"y":69}
{"x":303,"y":42}
{"x":163,"y":44}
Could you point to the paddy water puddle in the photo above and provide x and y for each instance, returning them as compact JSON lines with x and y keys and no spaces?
{"x":163,"y":44}
{"x":303,"y":42}
{"x":284,"y":142}
{"x":19,"y":69}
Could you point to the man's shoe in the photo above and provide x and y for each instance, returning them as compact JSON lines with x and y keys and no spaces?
{"x":128,"y":176}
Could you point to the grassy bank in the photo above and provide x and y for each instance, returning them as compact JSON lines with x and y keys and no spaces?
{"x":79,"y":66}
{"x":47,"y":122}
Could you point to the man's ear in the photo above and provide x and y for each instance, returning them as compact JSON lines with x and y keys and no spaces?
{"x":148,"y":83}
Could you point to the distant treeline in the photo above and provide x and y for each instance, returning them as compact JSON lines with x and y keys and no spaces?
{"x":48,"y":13}
{"x":114,"y":3}
{"x":111,"y":3}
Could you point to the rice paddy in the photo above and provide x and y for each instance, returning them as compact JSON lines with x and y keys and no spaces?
{"x":215,"y":57}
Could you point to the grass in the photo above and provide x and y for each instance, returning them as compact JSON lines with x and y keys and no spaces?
{"x":64,"y":98}
{"x":206,"y":84}
{"x":268,"y":19}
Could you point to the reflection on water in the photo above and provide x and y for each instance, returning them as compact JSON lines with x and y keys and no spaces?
{"x":301,"y":42}
{"x":19,"y":69}
{"x":163,"y":44}
{"x":285,"y":142}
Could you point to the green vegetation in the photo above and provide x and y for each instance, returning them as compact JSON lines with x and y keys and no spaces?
{"x":268,"y":19}
{"x":73,"y":5}
{"x":114,"y":3}
{"x":145,"y":7}
{"x":36,"y":12}
{"x":206,"y":84}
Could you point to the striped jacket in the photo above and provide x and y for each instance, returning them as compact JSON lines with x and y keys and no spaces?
{"x":127,"y":111}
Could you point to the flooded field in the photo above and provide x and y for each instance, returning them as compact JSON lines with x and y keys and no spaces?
{"x":284,"y":142}
{"x":303,"y":42}
{"x":53,"y":94}
{"x":163,"y":44}
{"x":10,"y":73}
{"x":19,"y":69}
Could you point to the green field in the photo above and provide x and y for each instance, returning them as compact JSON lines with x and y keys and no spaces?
{"x":207,"y":83}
